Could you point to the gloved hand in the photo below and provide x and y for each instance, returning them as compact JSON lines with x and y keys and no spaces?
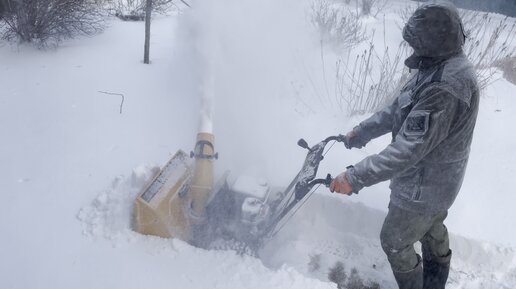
{"x":341,"y":185}
{"x":353,"y":140}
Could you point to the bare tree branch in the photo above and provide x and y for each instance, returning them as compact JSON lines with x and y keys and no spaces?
{"x":184,"y":2}
{"x":114,"y":93}
{"x":47,"y":22}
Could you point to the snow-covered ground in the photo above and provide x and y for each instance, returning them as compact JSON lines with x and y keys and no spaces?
{"x":72,"y":158}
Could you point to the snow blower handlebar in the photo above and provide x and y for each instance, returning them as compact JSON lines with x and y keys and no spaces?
{"x":306,"y":178}
{"x":302,"y":184}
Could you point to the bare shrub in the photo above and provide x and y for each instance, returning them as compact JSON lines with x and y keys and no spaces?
{"x":489,"y":42}
{"x":405,"y":12}
{"x":338,"y":275}
{"x":315,"y":263}
{"x":47,"y":22}
{"x":355,"y":282}
{"x":370,"y":81}
{"x":359,"y":90}
{"x":337,"y":27}
{"x":134,"y":10}
{"x":372,"y":7}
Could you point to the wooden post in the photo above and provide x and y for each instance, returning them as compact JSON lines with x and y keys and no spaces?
{"x":148,"y":11}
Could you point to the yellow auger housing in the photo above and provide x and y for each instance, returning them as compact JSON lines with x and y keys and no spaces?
{"x":175,"y":200}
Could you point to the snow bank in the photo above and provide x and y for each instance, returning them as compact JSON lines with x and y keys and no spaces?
{"x":328,"y":229}
{"x":109,"y":217}
{"x":111,"y":212}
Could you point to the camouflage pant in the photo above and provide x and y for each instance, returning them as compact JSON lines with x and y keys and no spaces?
{"x":402,"y":229}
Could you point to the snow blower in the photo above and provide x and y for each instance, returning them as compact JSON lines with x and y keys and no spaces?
{"x":176,"y":198}
{"x":183,"y":202}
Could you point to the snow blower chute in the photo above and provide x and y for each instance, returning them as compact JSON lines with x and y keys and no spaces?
{"x":182,"y":201}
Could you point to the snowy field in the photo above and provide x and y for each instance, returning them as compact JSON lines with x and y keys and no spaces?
{"x":72,"y":158}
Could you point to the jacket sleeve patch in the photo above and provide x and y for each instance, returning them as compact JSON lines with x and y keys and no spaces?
{"x":417,"y":123}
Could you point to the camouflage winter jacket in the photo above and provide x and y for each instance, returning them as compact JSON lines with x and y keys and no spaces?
{"x":432,"y":123}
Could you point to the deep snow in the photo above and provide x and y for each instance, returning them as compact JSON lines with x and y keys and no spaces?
{"x":67,"y":157}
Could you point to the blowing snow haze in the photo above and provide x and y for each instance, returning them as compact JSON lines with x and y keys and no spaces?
{"x":259,"y":74}
{"x":245,"y":55}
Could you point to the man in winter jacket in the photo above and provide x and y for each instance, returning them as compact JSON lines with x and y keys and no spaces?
{"x":432,"y":122}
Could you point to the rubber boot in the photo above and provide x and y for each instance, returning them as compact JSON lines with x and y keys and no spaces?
{"x":435,"y":271}
{"x":412,"y":279}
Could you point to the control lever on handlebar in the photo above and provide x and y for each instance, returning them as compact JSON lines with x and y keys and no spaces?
{"x":326,"y":182}
{"x":302,"y":184}
{"x":302,"y":143}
